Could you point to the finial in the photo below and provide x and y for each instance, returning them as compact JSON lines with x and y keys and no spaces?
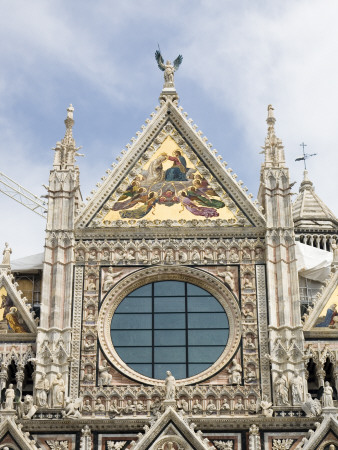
{"x":69,"y":121}
{"x":168,"y":69}
{"x":271,"y":118}
{"x":70,"y":111}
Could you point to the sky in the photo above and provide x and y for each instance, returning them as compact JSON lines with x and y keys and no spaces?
{"x":238,"y":57}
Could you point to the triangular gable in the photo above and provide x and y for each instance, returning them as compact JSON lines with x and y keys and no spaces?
{"x":321,"y":318}
{"x":327,"y":430}
{"x":154,"y":435}
{"x":20,"y":318}
{"x":157,"y":199}
{"x":8,"y":426}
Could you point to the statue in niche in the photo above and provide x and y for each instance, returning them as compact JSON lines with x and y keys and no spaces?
{"x":208,"y":256}
{"x":183,"y":404}
{"x":235,"y":373}
{"x":233,"y":255}
{"x":88,"y":376}
{"x":118,"y":255}
{"x":114,"y":408}
{"x":58,"y":391}
{"x":327,"y":398}
{"x":9,"y":395}
{"x":259,"y":254}
{"x":197,"y":407}
{"x":99,"y":406}
{"x":90,"y":317}
{"x":246,"y":253}
{"x":224,"y":406}
{"x":129,"y":408}
{"x":297,"y":389}
{"x":228,"y":278}
{"x":106,"y":255}
{"x":249,"y":342}
{"x":129,"y":255}
{"x":143,"y":256}
{"x":250,"y":375}
{"x":248,"y":313}
{"x":87,"y":407}
{"x":182,"y":256}
{"x":252,"y":407}
{"x":169,"y":256}
{"x":89,"y":343}
{"x":168,"y":68}
{"x":239,"y":406}
{"x":281,"y":391}
{"x":155,"y":406}
{"x":211,"y":407}
{"x":42,"y":389}
{"x":170,"y":386}
{"x":109,"y":279}
{"x":92,"y":255}
{"x":80,"y":256}
{"x":156,"y":256}
{"x":140,"y":408}
{"x":91,"y":284}
{"x":195,"y":256}
{"x":105,"y":378}
{"x":221,"y":256}
{"x":247,"y":281}
{"x":6,"y":260}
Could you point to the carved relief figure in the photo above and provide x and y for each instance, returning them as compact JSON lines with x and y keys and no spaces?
{"x":182,"y":256}
{"x":297,"y":389}
{"x":235,"y":373}
{"x":211,"y":407}
{"x":109,"y":279}
{"x":225,"y":407}
{"x":42,"y":389}
{"x":99,"y":406}
{"x":89,"y":343}
{"x":233,"y":255}
{"x":58,"y":391}
{"x":197,"y":407}
{"x":281,"y":390}
{"x":71,"y":410}
{"x":227,"y":277}
{"x":105,"y":378}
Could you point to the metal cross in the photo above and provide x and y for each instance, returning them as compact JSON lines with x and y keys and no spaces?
{"x":305,"y":155}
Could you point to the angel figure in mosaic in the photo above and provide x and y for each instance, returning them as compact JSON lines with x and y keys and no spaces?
{"x":143,"y":210}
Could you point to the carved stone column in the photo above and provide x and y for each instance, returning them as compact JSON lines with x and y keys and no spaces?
{"x":254,"y":438}
{"x":86,"y":438}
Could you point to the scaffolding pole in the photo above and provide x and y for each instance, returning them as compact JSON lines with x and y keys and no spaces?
{"x":21,"y":195}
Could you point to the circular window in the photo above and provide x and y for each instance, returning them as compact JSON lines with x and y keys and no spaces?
{"x":169,"y":325}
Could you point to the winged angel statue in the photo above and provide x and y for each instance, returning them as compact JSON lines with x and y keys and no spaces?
{"x":168,"y":68}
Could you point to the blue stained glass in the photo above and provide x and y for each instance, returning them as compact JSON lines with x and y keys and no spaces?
{"x":169,"y":325}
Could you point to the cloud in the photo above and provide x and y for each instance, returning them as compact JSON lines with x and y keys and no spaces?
{"x":238,"y":58}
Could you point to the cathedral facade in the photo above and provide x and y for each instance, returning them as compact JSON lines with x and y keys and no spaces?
{"x":170,"y":310}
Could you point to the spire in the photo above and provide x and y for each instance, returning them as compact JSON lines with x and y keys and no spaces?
{"x":65,"y":151}
{"x":309,"y":211}
{"x":273,"y":147}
